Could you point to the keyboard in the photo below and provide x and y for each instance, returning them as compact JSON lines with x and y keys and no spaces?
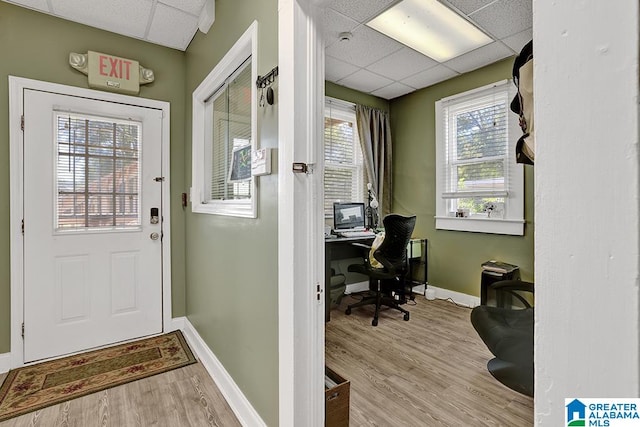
{"x":363,"y":233}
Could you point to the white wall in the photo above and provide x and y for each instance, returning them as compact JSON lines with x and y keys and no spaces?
{"x":586,"y":196}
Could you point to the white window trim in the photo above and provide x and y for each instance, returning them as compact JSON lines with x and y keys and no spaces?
{"x":246,"y":46}
{"x":513,"y":223}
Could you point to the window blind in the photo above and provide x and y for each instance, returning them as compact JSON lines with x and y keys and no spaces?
{"x":343,"y":173}
{"x":231,"y":130}
{"x":97,"y":174}
{"x":476,"y":146}
{"x":479,"y":185}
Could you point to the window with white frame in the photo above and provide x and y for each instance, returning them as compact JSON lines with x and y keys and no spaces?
{"x":480,"y":187}
{"x":343,"y":165}
{"x":224,"y":133}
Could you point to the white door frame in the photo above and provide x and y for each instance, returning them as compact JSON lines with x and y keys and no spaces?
{"x":300,"y":196}
{"x":17,"y":85}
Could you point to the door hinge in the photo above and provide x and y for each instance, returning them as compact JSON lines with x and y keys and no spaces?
{"x":318,"y":291}
{"x":22,"y":122}
{"x":22,"y":329}
{"x":22,"y":227}
{"x":158,"y":178}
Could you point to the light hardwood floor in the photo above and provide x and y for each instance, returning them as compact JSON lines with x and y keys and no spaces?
{"x":429,"y":371}
{"x":180,"y":398}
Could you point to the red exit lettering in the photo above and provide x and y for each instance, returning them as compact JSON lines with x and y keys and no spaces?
{"x":115,"y":67}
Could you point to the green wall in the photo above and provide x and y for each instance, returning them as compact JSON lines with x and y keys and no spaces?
{"x":346,"y":94}
{"x":454,"y":257}
{"x":232,"y":263}
{"x":37,"y":46}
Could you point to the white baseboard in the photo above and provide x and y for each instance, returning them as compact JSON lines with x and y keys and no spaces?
{"x":240,"y":405}
{"x":457,"y":297}
{"x":418,"y":289}
{"x":364,"y":286}
{"x":177,"y":323}
{"x":5,"y":362}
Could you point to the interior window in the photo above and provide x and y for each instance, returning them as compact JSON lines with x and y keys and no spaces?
{"x":224,"y":133}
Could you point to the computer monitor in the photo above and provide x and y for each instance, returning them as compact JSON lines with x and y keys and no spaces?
{"x":347,"y":216}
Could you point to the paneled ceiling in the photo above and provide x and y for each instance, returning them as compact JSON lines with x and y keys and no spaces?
{"x":369,"y":62}
{"x":374,"y":63}
{"x":170,"y":23}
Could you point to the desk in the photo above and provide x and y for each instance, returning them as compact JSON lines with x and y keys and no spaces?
{"x":339,"y":248}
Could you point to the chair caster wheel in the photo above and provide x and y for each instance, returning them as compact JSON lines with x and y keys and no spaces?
{"x":406,"y":317}
{"x":347,"y":311}
{"x":374,"y":322}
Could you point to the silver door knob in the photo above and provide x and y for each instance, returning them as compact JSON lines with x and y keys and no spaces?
{"x":154,"y":236}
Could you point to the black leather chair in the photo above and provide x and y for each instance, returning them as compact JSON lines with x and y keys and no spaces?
{"x":508,"y":333}
{"x":337,"y":288}
{"x":392,"y":254}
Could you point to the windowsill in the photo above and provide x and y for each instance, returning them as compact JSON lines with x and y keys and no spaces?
{"x":246,"y":209}
{"x":514,"y":227}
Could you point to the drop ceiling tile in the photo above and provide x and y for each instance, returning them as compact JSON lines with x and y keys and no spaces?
{"x":193,"y":7}
{"x":430,"y":77}
{"x":480,"y":57}
{"x":365,"y":81}
{"x":468,"y":6}
{"x":394,"y":90}
{"x":336,"y":69}
{"x":402,"y":63}
{"x":172,"y":27}
{"x":365,"y":47}
{"x":505,"y":17}
{"x":40,"y":5}
{"x":517,"y":41}
{"x":334,"y":23}
{"x":361,"y":10}
{"x":124,"y":17}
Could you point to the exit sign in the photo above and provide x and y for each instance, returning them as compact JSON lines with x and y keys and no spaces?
{"x":113,"y":73}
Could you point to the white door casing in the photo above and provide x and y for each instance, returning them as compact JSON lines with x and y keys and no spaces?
{"x":85,"y":288}
{"x":300,"y":196}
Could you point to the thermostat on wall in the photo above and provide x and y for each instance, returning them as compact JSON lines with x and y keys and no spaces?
{"x":261,"y":162}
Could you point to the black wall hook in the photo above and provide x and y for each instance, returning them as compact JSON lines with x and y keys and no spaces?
{"x":265,"y":82}
{"x":268,"y":79}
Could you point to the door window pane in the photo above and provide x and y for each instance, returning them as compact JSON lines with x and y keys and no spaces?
{"x":98,"y":177}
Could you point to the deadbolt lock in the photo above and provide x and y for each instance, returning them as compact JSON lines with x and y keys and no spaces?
{"x":154,"y":217}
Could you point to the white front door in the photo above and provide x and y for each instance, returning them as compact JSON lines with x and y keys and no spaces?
{"x":92,"y":243}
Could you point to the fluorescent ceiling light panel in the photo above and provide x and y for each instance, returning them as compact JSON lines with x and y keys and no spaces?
{"x":431,"y":28}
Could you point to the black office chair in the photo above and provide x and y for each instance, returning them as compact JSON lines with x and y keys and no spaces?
{"x":508,"y":333}
{"x":392,"y":254}
{"x":337,"y":288}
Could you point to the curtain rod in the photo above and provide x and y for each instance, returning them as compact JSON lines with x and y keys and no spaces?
{"x":340,"y":103}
